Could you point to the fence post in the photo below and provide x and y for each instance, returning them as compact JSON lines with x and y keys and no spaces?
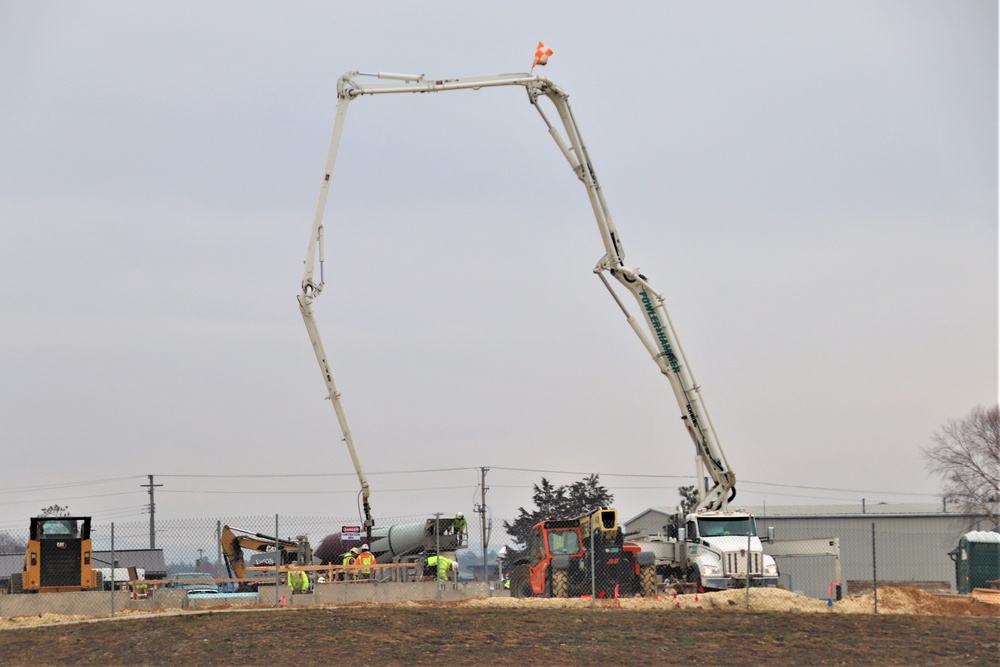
{"x":437,"y":553}
{"x":277,"y":565}
{"x":218,"y":546}
{"x":593,"y":572}
{"x":750,"y":523}
{"x":874,"y":570}
{"x":113,"y":587}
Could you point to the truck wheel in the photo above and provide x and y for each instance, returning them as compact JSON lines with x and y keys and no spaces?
{"x":647,"y":581}
{"x":520,"y":582}
{"x":560,"y":583}
{"x":15,"y":585}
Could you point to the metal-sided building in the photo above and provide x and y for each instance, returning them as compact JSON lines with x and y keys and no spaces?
{"x":149,"y":560}
{"x":905,"y":543}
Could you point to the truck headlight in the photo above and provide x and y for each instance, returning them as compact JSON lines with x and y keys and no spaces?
{"x":711,"y":570}
{"x":771,"y":569}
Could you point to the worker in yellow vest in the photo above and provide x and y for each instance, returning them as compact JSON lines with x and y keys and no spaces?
{"x":298,"y":580}
{"x":347,"y":562}
{"x":458,"y":524}
{"x":443,"y":564}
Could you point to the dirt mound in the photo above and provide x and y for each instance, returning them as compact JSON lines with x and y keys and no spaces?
{"x":891,"y":600}
{"x":901,"y":600}
{"x":38,"y":619}
{"x":764,"y":599}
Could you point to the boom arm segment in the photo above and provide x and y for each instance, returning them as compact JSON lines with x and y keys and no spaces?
{"x":233,"y":546}
{"x":659,"y":338}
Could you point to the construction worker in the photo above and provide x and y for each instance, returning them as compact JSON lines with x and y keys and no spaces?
{"x":298,"y":580}
{"x":444,"y":566}
{"x":458,"y":524}
{"x":364,"y":563}
{"x":348,"y":561}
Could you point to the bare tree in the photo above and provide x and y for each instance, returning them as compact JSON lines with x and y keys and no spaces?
{"x":9,"y":544}
{"x":55,"y":510}
{"x":966,"y":455}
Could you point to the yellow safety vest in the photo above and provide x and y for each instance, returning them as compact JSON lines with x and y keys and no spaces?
{"x":298,"y":580}
{"x":443,"y":565}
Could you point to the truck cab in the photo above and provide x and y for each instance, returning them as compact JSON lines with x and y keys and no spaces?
{"x":551,"y":539}
{"x":724,"y":548}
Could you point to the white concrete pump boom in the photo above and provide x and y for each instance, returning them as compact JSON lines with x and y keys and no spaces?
{"x":659,"y":336}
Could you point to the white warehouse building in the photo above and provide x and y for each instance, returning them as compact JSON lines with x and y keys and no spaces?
{"x":911,"y":543}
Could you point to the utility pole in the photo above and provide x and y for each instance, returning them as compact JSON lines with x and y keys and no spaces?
{"x":482,"y":517}
{"x":152,"y":512}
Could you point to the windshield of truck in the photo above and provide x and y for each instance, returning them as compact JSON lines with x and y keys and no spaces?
{"x":564,"y":542}
{"x":720,"y":527}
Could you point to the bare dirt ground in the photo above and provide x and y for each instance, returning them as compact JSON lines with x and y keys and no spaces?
{"x":912,"y":628}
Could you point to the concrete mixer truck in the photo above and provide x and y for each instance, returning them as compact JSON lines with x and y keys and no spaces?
{"x":395,"y":543}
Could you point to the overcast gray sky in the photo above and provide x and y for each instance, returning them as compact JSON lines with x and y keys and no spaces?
{"x":812,"y":185}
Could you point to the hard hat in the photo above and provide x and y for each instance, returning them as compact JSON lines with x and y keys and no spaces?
{"x":364,"y":547}
{"x":460,"y":515}
{"x":321,"y":580}
{"x":354,"y":551}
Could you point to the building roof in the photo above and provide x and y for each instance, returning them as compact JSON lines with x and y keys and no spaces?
{"x":983,"y":536}
{"x":150,"y":560}
{"x":852,"y":510}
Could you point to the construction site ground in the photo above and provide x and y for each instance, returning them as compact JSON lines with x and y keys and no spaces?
{"x":912,"y":628}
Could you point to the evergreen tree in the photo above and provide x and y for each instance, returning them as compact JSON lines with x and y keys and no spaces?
{"x":562,"y":502}
{"x":689,"y":498}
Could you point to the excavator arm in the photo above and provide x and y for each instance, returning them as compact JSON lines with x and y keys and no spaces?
{"x":233,"y":546}
{"x":658,"y":336}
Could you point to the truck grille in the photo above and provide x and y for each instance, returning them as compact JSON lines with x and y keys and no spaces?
{"x":735,"y":563}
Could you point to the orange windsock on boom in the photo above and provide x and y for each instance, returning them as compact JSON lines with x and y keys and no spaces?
{"x":541,"y":55}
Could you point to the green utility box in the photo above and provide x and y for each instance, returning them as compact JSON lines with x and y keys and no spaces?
{"x":977,"y":560}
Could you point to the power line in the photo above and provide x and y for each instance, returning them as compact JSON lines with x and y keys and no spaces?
{"x":64,"y":498}
{"x":550,"y":472}
{"x":266,"y":492}
{"x":67,"y":485}
{"x":320,"y":475}
{"x":751,"y":483}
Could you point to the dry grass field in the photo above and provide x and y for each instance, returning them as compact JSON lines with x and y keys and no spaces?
{"x":912,"y":628}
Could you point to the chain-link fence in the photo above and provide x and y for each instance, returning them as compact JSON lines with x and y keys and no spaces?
{"x":861,"y":569}
{"x":68,"y":566}
{"x":72,"y":567}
